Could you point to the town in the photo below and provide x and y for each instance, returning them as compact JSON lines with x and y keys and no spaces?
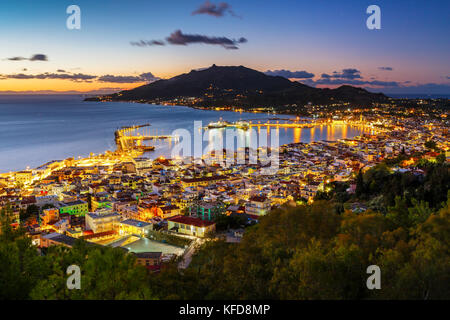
{"x":162,"y":209}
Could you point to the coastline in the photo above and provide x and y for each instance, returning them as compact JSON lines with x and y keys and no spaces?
{"x":112,"y":156}
{"x":239,"y":110}
{"x":86,"y":158}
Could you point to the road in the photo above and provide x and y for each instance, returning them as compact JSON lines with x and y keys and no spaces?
{"x":187,"y":257}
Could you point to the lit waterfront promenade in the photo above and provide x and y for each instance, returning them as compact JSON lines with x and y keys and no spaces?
{"x":129,"y":138}
{"x":295,"y":124}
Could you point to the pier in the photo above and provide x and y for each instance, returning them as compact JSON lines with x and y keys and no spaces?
{"x":298,"y":123}
{"x":130,"y":139}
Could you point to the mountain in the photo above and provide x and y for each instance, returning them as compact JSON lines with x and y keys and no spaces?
{"x":231,"y":86}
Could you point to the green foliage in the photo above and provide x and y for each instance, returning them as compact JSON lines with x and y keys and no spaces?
{"x":304,"y":252}
{"x":31,"y":211}
{"x":379,"y":181}
{"x":168,"y":238}
{"x":441,"y":158}
{"x":224,"y":222}
{"x":335,"y":191}
{"x":430,"y":144}
{"x":106,"y":273}
{"x":322,"y":195}
{"x":310,"y":252}
{"x":20,"y":265}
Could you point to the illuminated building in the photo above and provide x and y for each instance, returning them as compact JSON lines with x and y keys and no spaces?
{"x":77,"y":208}
{"x":151,"y":260}
{"x":101,"y":222}
{"x":23,"y":177}
{"x":258,"y":205}
{"x":55,"y":239}
{"x":191,"y":226}
{"x":49,"y":215}
{"x":135,"y":227}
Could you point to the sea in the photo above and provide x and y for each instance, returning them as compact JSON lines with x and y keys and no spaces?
{"x":35,"y":129}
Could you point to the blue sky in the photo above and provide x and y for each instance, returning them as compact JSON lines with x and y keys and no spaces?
{"x":319,"y":37}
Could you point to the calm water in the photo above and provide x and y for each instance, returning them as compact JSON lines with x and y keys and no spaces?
{"x":37,"y":129}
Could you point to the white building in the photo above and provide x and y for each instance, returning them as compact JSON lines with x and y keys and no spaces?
{"x":101,"y":222}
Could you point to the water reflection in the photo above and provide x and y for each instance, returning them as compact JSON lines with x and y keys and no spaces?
{"x":262,"y":136}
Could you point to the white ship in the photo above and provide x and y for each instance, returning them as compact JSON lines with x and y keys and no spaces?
{"x":217,"y":125}
{"x":244,"y":125}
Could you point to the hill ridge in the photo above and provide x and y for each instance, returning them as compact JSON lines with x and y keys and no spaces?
{"x":239,"y":86}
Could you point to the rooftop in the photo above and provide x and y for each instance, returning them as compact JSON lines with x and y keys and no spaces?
{"x":136,"y":223}
{"x":102,"y":215}
{"x":60,"y":238}
{"x":191,"y":221}
{"x":74,"y":203}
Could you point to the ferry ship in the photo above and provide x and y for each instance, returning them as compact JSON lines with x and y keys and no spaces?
{"x":217,"y":125}
{"x":244,"y":125}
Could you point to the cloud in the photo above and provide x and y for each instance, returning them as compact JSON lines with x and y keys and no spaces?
{"x":39,"y":57}
{"x":353,"y":77}
{"x":61,"y":70}
{"x":145,"y":43}
{"x":290,"y":74}
{"x":35,"y":57}
{"x":81,"y":77}
{"x":179,"y":38}
{"x":74,"y":77}
{"x":148,"y":76}
{"x":356,"y":82}
{"x":119,"y":79}
{"x":215,"y":10}
{"x":16,"y":59}
{"x":144,"y":77}
{"x":349,"y":73}
{"x":106,"y":90}
{"x":349,"y":76}
{"x":386,"y":68}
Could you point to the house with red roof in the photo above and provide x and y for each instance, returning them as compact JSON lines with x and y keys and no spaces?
{"x":191,"y":226}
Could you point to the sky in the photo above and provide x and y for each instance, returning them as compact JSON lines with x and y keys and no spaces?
{"x":322,"y":43}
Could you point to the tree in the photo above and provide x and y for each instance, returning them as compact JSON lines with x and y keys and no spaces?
{"x":224,"y":222}
{"x":31,"y":211}
{"x":360,"y":187}
{"x":107,"y":273}
{"x":430,"y":144}
{"x":441,"y":158}
{"x":20,"y":265}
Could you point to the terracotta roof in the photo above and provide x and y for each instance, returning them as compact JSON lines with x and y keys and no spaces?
{"x":191,"y":221}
